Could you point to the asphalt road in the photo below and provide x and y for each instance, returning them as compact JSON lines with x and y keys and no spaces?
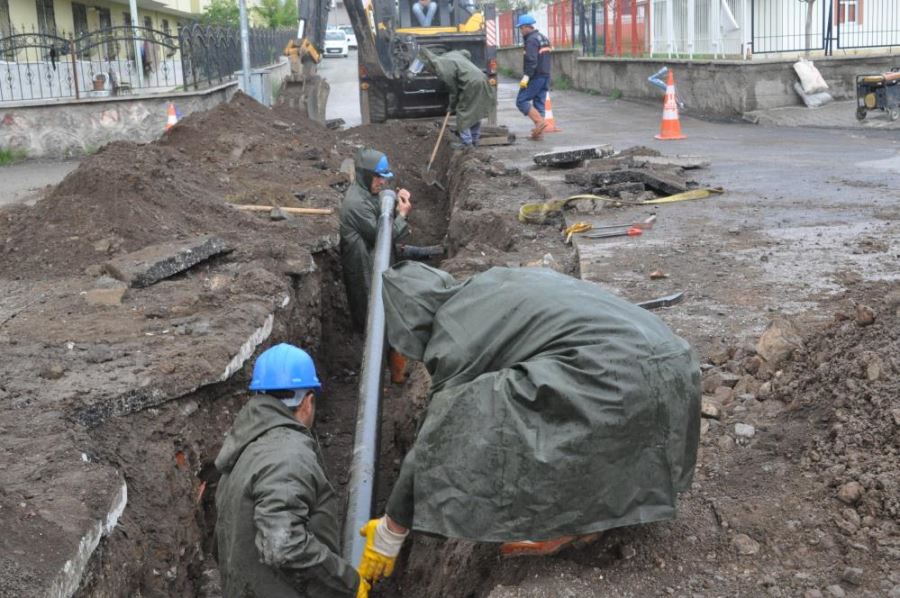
{"x":343,"y":100}
{"x":806,"y":212}
{"x":26,"y":181}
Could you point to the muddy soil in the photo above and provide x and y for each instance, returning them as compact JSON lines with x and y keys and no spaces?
{"x":131,"y":393}
{"x":804,"y":504}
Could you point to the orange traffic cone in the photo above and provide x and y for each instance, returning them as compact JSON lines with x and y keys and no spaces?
{"x":671,"y":126}
{"x":172,"y":118}
{"x":548,"y":117}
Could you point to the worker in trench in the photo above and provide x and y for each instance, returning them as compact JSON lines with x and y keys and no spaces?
{"x":535,"y":83}
{"x":359,"y":229}
{"x":277,"y":528}
{"x":556,"y":411}
{"x":471,"y":95}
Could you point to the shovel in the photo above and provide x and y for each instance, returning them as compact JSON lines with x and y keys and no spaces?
{"x":428,"y":175}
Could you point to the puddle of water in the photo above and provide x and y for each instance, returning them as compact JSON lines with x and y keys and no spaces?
{"x":888,"y":164}
{"x":810,"y":257}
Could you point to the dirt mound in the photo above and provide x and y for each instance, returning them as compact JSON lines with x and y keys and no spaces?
{"x":845,"y":382}
{"x":128,"y":195}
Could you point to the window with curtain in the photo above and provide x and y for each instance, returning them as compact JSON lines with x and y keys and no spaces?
{"x":46,"y":16}
{"x":79,"y":18}
{"x":5,"y":22}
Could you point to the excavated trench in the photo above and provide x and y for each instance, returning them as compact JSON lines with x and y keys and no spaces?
{"x":163,"y":543}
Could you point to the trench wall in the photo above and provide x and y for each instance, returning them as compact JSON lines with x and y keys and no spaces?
{"x":720,"y":88}
{"x":163,"y":543}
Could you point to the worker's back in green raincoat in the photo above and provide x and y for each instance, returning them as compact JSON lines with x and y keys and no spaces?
{"x":471,"y":96}
{"x":359,"y":228}
{"x":556,"y":408}
{"x":277,"y":530}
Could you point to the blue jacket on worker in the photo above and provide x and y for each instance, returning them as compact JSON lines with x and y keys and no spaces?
{"x":535,"y":81}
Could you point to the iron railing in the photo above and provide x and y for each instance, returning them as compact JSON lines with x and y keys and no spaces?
{"x":709,"y":29}
{"x":869,"y":24}
{"x":48,"y":66}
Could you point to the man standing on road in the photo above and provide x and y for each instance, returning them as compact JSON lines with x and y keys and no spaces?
{"x":277,"y":530}
{"x":535,"y":81}
{"x":556,"y":411}
{"x":359,"y":229}
{"x":471,"y":95}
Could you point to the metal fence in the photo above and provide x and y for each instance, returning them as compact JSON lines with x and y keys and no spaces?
{"x":820,"y":25}
{"x":789,"y":26}
{"x":123,"y":60}
{"x":866,"y":24}
{"x":613,"y":27}
{"x":712,"y":28}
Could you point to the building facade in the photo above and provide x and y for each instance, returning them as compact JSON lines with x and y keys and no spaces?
{"x":64,"y":17}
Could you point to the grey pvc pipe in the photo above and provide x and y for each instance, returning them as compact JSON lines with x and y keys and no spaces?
{"x":367,"y":440}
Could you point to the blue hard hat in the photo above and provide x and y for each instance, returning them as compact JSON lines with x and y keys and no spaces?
{"x":525,"y":20}
{"x":284,"y":367}
{"x":383,"y":169}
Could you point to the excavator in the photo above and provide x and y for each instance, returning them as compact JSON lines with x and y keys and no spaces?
{"x":389,"y":39}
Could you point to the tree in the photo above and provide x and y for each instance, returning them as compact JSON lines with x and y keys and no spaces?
{"x":222,"y":13}
{"x":276,"y":13}
{"x":810,"y":11}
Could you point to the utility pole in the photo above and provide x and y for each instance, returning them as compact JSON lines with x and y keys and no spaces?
{"x":245,"y":49}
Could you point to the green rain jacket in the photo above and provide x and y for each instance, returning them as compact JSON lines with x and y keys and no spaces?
{"x":471,"y":96}
{"x":277,"y":531}
{"x":555,"y":409}
{"x":359,"y":228}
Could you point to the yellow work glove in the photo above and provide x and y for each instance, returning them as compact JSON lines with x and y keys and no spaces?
{"x":364,"y":587}
{"x":524,"y":82}
{"x":381,"y":550}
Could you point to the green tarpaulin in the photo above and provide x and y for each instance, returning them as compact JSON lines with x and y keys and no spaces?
{"x":556,"y":408}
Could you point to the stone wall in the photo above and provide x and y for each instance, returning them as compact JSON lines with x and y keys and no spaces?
{"x":725,"y":89}
{"x":80,"y":127}
{"x":67,"y":128}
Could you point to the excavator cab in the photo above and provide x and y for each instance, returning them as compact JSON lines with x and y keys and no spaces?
{"x":390,"y":36}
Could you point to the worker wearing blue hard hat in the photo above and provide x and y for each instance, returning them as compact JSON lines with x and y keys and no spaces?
{"x":535,"y":81}
{"x":277,"y":528}
{"x":359,"y":227}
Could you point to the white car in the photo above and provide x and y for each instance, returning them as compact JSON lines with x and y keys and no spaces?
{"x":336,"y":43}
{"x":351,"y":36}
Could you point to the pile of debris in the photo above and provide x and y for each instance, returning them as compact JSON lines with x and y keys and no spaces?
{"x":636,"y":174}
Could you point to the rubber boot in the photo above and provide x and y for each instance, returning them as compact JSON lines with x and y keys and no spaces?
{"x":397,"y":365}
{"x":540,"y":124}
{"x":546,"y":547}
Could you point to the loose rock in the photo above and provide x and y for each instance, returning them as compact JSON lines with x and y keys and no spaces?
{"x":850,"y":493}
{"x":744,"y":430}
{"x":709,"y":409}
{"x":745,"y":545}
{"x":54,"y":371}
{"x":778,"y":342}
{"x":865,"y":315}
{"x":836,"y":591}
{"x":853,"y":576}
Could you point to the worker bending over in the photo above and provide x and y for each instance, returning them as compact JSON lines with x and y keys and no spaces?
{"x":277,"y":528}
{"x":471,"y":95}
{"x":535,"y":81}
{"x":556,"y":411}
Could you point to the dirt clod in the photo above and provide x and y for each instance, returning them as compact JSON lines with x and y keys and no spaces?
{"x":745,"y":545}
{"x":865,"y":315}
{"x":851,"y":493}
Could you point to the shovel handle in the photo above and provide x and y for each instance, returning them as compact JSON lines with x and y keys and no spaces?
{"x":438,"y":144}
